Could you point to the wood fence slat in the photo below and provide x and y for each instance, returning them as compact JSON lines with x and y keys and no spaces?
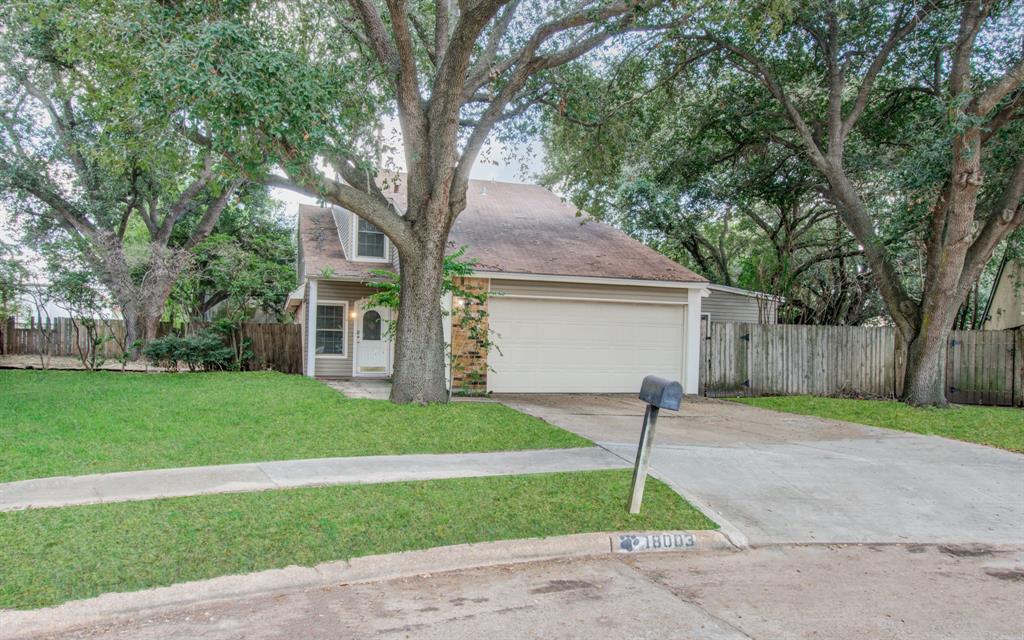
{"x":274,"y":346}
{"x":1018,"y":368}
{"x":982,"y":367}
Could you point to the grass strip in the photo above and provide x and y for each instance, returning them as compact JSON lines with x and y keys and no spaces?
{"x":48,"y":556}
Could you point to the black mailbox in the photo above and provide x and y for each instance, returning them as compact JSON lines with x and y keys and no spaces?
{"x":661,"y":393}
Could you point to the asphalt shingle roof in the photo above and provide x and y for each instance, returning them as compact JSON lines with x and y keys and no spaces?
{"x":514,"y":228}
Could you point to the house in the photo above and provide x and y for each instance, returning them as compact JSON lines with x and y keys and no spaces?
{"x":1005,"y":308}
{"x":574,"y":305}
{"x":732,"y":304}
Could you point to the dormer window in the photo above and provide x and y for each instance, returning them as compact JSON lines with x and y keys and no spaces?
{"x":370,"y":241}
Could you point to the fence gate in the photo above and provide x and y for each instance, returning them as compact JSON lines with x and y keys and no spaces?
{"x":980,"y":367}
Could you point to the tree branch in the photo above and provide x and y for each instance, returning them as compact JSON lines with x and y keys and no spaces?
{"x":868,"y":82}
{"x":212,"y":214}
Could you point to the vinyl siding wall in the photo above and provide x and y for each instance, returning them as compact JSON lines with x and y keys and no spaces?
{"x":343,"y":220}
{"x":1006,"y":311}
{"x":338,"y":291}
{"x":725,"y":306}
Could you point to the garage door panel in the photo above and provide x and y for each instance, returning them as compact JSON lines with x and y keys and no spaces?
{"x":567,"y":346}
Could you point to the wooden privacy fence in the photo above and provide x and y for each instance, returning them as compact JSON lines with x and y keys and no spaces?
{"x":274,"y":346}
{"x":744,"y":359}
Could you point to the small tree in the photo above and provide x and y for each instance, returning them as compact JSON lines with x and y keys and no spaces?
{"x":12,"y":278}
{"x":40,"y":318}
{"x":78,"y":294}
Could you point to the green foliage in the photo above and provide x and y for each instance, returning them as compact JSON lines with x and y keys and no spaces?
{"x":247,"y":266}
{"x":13,"y":275}
{"x":681,"y":147}
{"x":670,"y":153}
{"x":204,"y":351}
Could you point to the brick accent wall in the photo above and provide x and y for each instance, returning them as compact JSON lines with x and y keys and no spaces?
{"x":470,"y":370}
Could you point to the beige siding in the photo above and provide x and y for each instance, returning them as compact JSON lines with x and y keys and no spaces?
{"x":725,"y":306}
{"x":343,"y":220}
{"x":300,"y":319}
{"x":565,"y":290}
{"x":338,"y":291}
{"x":1006,"y":311}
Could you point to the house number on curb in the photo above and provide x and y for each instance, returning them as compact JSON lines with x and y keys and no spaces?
{"x":632,"y":543}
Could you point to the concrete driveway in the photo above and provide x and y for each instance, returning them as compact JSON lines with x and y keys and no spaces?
{"x":781,"y":478}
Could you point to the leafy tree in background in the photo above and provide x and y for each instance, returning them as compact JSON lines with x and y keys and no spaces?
{"x":79,"y":162}
{"x":910,"y":110}
{"x":689,"y":171}
{"x":13,"y":276}
{"x":245,"y":267}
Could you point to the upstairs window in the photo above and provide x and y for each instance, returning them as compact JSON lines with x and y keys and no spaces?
{"x":371,"y":241}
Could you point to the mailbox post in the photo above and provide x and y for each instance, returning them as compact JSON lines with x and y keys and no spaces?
{"x":659,"y":394}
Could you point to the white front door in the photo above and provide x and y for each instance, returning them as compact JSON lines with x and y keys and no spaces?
{"x":373,"y":348}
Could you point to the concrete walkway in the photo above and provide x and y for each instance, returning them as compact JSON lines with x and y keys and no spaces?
{"x":260,"y":476}
{"x":783,"y":478}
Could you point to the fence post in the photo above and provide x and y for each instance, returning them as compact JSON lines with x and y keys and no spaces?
{"x":1018,"y":375}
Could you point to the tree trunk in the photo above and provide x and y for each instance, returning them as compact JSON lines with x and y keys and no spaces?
{"x":925,"y":381}
{"x":419,"y":348}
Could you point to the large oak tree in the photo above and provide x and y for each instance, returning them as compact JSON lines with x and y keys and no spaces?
{"x":844,"y":75}
{"x":910,"y":116}
{"x":78,"y":164}
{"x":303,"y":91}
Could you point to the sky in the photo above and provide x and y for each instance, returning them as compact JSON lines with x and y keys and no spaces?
{"x":497,"y":162}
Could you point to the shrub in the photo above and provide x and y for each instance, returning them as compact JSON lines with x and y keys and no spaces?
{"x":163,"y":352}
{"x":202,"y":352}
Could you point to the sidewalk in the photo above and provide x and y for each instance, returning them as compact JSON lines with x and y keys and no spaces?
{"x":260,"y":476}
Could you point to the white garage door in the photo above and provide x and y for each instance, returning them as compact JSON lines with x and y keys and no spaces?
{"x":563,"y":346}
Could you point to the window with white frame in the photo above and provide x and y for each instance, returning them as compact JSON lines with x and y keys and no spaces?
{"x":330,"y":328}
{"x":370,"y":241}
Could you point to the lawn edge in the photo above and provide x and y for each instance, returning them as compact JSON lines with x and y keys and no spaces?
{"x":23,"y":623}
{"x":891,"y":430}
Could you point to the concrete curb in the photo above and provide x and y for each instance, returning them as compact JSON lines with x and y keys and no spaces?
{"x":23,"y":624}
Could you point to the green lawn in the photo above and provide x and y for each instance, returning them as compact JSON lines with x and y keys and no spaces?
{"x":48,"y":556}
{"x":77,"y":422}
{"x":996,"y":426}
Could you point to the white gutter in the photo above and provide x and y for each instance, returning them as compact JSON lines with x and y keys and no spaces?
{"x":505,"y":275}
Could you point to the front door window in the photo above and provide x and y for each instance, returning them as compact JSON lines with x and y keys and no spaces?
{"x":371,"y":325}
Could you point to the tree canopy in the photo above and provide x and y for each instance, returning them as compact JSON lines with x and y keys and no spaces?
{"x":905,"y":118}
